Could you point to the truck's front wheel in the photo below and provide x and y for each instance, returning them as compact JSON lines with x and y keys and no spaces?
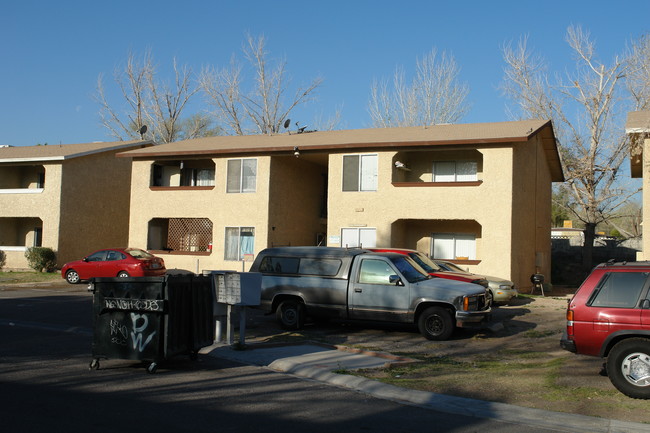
{"x":291,"y":314}
{"x":436,"y":323}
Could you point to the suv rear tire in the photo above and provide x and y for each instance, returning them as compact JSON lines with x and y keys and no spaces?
{"x":628,"y":367}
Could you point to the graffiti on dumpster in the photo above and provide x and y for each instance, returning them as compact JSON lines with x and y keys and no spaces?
{"x":119,"y":333}
{"x":139,"y":337}
{"x":128,"y":304}
{"x":140,"y":322}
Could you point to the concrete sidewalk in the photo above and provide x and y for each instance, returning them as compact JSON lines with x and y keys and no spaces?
{"x":320,"y":362}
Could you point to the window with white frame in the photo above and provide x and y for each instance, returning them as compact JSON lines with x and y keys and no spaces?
{"x":451,"y":246}
{"x":240,"y":241}
{"x":242,"y":175}
{"x":454,"y":171}
{"x":358,"y":237}
{"x":360,"y":172}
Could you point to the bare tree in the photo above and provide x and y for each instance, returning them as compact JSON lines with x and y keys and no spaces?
{"x":132,"y":82}
{"x":434,"y":96}
{"x":638,"y":79}
{"x":264,"y":108}
{"x":149,"y":102}
{"x":585,"y":108}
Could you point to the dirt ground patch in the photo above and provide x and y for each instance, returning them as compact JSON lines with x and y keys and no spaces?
{"x":517,"y":361}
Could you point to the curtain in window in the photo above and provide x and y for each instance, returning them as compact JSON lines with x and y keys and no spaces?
{"x":234,"y":176}
{"x":444,"y":171}
{"x":351,"y":173}
{"x":443,"y":246}
{"x":249,"y":175}
{"x":369,"y":173}
{"x":247,"y":240}
{"x":205,"y":178}
{"x":466,"y":171}
{"x":232,"y":243}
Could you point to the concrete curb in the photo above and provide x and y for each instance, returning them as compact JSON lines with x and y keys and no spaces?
{"x":303,"y":366}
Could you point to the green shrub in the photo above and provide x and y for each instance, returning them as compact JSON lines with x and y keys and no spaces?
{"x":3,"y":259}
{"x":41,"y":258}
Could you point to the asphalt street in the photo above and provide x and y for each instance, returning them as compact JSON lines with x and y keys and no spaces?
{"x":46,"y":385}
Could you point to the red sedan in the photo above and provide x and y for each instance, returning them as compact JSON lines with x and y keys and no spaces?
{"x":114,"y":262}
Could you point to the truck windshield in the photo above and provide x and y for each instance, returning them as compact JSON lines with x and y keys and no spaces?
{"x":409,"y":269}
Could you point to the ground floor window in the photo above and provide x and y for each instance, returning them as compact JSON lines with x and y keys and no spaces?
{"x":358,"y":237}
{"x":453,"y":246}
{"x":240,"y":242}
{"x":180,"y":234}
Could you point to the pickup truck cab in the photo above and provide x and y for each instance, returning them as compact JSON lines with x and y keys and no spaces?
{"x":357,"y":284}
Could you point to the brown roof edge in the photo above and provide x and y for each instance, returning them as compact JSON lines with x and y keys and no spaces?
{"x":321,"y":147}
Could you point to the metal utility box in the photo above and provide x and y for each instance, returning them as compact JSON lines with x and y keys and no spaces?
{"x":234,"y":289}
{"x":238,"y":288}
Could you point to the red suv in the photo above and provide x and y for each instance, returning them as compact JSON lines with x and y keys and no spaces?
{"x":609,"y":316}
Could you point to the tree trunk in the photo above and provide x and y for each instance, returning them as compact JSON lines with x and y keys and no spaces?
{"x":588,"y":248}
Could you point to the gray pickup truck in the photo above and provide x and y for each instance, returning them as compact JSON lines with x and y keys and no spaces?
{"x":357,"y":284}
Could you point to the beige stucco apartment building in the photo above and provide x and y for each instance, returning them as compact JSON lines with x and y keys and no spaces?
{"x":477,"y":194}
{"x":638,"y":128}
{"x":73,"y":198}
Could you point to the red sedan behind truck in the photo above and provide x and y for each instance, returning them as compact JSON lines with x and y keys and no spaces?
{"x":114,"y":262}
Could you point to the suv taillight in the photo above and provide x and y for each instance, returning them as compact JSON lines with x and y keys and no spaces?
{"x":569,"y":322}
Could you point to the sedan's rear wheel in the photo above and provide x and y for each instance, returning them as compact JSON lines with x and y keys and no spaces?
{"x":122,"y":274}
{"x":72,"y":277}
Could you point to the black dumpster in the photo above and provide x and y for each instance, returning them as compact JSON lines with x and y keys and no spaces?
{"x":152,"y":318}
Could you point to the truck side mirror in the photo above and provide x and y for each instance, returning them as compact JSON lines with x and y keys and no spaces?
{"x":396,"y":280}
{"x":645,"y":304}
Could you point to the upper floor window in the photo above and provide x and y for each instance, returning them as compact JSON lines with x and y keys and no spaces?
{"x":360,"y":173}
{"x":454,"y":171}
{"x":242,"y":175}
{"x":183,"y":173}
{"x":453,"y":246}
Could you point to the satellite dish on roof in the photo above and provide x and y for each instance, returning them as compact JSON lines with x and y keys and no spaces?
{"x":287,"y":123}
{"x":142,"y":131}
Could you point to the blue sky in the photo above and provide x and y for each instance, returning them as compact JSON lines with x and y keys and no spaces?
{"x":52,"y":52}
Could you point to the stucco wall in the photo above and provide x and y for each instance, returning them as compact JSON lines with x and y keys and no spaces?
{"x":295,"y":199}
{"x":531,"y":246}
{"x":485,"y":210}
{"x":42,"y":204}
{"x":222,"y":208}
{"x":94,"y":205}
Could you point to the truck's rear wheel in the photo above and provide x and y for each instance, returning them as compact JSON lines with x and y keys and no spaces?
{"x":436,"y":323}
{"x":291,"y":314}
{"x":628,"y":367}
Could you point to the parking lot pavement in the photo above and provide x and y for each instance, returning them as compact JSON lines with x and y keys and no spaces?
{"x":329,"y":364}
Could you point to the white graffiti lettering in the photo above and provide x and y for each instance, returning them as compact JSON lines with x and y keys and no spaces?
{"x":140,"y":322}
{"x":133,"y":304}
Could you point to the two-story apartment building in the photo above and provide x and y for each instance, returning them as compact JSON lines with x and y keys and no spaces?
{"x":72,"y":198}
{"x":478,"y":194}
{"x":637,"y":128}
